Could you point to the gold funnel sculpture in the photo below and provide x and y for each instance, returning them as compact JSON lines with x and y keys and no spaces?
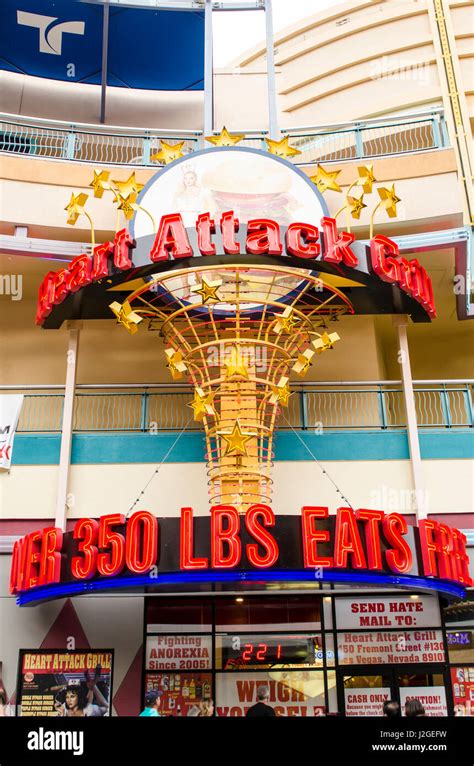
{"x":237,"y":332}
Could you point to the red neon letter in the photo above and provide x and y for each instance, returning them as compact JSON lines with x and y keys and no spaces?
{"x":186,"y":558}
{"x":229,"y":225}
{"x":372,"y":536}
{"x":301,"y":239}
{"x":141,"y":548}
{"x":399,"y":558}
{"x":386,"y":268}
{"x":348,"y":541}
{"x":171,"y":239}
{"x":229,"y":536}
{"x":205,"y":227}
{"x":428,"y":547}
{"x":79,"y":272}
{"x":123,"y":245}
{"x":50,"y":562}
{"x":263,"y":236}
{"x":45,"y":297}
{"x":311,"y":537}
{"x":101,"y":255}
{"x":32,"y":560}
{"x":337,"y":246}
{"x":461,"y":559}
{"x":61,"y":288}
{"x":262,"y":537}
{"x":112,"y":563}
{"x":86,"y":531}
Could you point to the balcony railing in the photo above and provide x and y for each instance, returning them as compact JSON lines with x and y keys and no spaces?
{"x":134,"y":147}
{"x":368,"y":405}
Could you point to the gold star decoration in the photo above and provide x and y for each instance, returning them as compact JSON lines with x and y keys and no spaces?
{"x":207,"y":290}
{"x":389,"y":200}
{"x":175,"y":363}
{"x":286,"y":321}
{"x":130,"y":186}
{"x":168,"y":152}
{"x":126,"y":316}
{"x":325,"y":341}
{"x":76,"y":207}
{"x":236,"y":440}
{"x":281,"y":392}
{"x":303,"y":363}
{"x":356,"y":205}
{"x":100,"y":183}
{"x":127,"y":205}
{"x":201,"y":404}
{"x":281,"y":148}
{"x":366,"y":177}
{"x":225,"y":138}
{"x":236,"y":365}
{"x":326,"y":181}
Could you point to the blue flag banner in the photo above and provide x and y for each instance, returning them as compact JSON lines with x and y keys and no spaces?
{"x":62,"y":40}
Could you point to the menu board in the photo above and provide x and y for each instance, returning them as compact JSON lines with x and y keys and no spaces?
{"x":180,"y":691}
{"x":387,"y":612}
{"x":433,"y":699}
{"x":366,"y":701}
{"x":65,"y":683}
{"x":390,"y":647}
{"x":293,"y":693}
{"x":178,"y":652}
{"x":462,"y":680}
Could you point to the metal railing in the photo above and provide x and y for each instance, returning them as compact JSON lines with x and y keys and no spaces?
{"x":53,"y":139}
{"x":333,"y":406}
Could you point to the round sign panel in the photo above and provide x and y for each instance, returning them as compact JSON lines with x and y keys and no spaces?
{"x":251,"y":183}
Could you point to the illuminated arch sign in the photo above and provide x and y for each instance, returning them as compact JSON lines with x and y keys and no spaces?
{"x":364,"y":546}
{"x":233,"y":205}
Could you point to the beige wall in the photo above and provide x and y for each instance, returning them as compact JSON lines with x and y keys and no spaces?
{"x":95,"y":490}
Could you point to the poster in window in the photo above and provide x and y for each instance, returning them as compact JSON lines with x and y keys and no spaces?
{"x":65,"y":683}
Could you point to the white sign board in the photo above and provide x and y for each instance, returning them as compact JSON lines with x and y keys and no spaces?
{"x":365,"y":701}
{"x":178,"y":652}
{"x":10,"y":406}
{"x":433,"y":699}
{"x":294,"y":693}
{"x":387,"y":612}
{"x":390,"y":647}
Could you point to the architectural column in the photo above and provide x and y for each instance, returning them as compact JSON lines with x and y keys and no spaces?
{"x":271,"y":81}
{"x":67,"y":424}
{"x":208,"y":71}
{"x":412,"y":425}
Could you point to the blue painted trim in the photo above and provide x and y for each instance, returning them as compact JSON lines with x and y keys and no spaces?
{"x":119,"y":448}
{"x":92,"y":586}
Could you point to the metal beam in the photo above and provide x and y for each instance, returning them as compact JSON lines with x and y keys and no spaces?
{"x":105,"y":50}
{"x":271,"y":82}
{"x":208,"y":71}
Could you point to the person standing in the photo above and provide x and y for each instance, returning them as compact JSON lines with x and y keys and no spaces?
{"x":391,"y":709}
{"x":261,"y":709}
{"x":152,"y":704}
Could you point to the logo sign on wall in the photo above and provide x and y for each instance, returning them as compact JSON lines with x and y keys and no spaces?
{"x":10,"y":407}
{"x":65,"y":683}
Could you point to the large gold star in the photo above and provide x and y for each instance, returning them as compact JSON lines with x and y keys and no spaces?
{"x":236,"y":365}
{"x":236,"y":440}
{"x":207,"y":290}
{"x":326,"y":181}
{"x":389,"y":200}
{"x":281,"y":392}
{"x":367,"y":178}
{"x":356,"y":205}
{"x":100,"y":183}
{"x":126,"y":316}
{"x":127,"y":205}
{"x":201,"y":404}
{"x":225,"y":138}
{"x":325,"y":341}
{"x":303,"y":363}
{"x":175,"y":363}
{"x":281,"y":148}
{"x":130,"y":186}
{"x":76,"y":207}
{"x":286,"y":321}
{"x":168,"y":153}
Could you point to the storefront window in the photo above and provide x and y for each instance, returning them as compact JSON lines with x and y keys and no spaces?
{"x":180,"y":691}
{"x":292,"y":613}
{"x":292,"y":693}
{"x":165,"y":615}
{"x":364,"y":695}
{"x":241,"y":652}
{"x":428,"y":688}
{"x":462,"y":682}
{"x":460,"y":646}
